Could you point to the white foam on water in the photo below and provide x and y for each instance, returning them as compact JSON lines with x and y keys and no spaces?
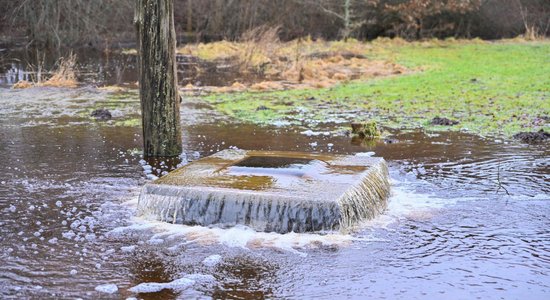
{"x":176,"y":285}
{"x":528,"y":198}
{"x":212,"y":260}
{"x":107,"y":288}
{"x":134,"y":227}
{"x":365,"y":154}
{"x":238,"y":236}
{"x":128,"y":249}
{"x":310,"y":132}
{"x":406,"y":203}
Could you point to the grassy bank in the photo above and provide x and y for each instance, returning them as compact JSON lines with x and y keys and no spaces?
{"x":490,"y":88}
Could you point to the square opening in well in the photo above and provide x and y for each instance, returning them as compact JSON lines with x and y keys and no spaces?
{"x":277,"y":162}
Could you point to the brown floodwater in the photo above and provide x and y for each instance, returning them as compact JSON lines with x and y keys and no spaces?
{"x":468,"y":217}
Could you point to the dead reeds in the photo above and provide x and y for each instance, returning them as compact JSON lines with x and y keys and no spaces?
{"x":302,"y":63}
{"x":64,"y":75}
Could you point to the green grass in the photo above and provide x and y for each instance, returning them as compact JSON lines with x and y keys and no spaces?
{"x":491,"y":88}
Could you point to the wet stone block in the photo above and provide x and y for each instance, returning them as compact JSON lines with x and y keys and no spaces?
{"x":270,"y":191}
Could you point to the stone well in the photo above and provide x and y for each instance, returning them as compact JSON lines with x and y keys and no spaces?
{"x":270,"y":191}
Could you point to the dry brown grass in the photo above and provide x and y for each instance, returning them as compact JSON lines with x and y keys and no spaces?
{"x":255,"y":49}
{"x":113,"y":88}
{"x":65,"y":73}
{"x":63,"y":76}
{"x":260,"y":47}
{"x":533,"y":33}
{"x":302,"y":63}
{"x":23,"y":84}
{"x":235,"y":87}
{"x":267,"y":86}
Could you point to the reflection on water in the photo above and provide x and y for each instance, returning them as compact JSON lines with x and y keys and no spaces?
{"x":68,"y":187}
{"x":148,"y":266}
{"x":98,"y":68}
{"x":278,"y":167}
{"x":245,"y":278}
{"x":94,"y":67}
{"x":273,"y":162}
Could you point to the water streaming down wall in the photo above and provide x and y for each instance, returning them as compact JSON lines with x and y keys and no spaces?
{"x":325,"y":200}
{"x":366,"y":200}
{"x":261,"y":212}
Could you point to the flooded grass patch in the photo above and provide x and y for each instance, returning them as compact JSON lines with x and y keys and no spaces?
{"x":297,"y":64}
{"x":68,"y":107}
{"x":490,"y":88}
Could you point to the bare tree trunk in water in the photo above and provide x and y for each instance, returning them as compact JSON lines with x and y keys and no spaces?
{"x":158,"y":87}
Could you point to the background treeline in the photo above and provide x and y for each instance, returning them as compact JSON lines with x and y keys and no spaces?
{"x":98,"y":23}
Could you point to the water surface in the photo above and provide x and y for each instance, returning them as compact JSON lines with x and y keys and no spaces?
{"x":468,"y":217}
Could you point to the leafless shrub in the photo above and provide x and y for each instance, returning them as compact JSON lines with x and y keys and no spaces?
{"x":534,"y":28}
{"x":65,"y":73}
{"x":56,"y":23}
{"x":36,"y":70}
{"x":75,"y":23}
{"x":260,"y":45}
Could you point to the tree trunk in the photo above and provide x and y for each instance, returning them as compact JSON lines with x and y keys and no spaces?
{"x":347,"y":19}
{"x":189,"y":18}
{"x":158,"y":87}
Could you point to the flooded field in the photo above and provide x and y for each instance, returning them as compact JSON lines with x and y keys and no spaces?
{"x":468,"y":217}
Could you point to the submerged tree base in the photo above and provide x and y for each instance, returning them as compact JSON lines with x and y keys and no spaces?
{"x":270,"y":191}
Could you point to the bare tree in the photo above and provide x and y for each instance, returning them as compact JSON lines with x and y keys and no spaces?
{"x":77,"y":23}
{"x":533,"y":30}
{"x":56,"y":23}
{"x":344,"y":11}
